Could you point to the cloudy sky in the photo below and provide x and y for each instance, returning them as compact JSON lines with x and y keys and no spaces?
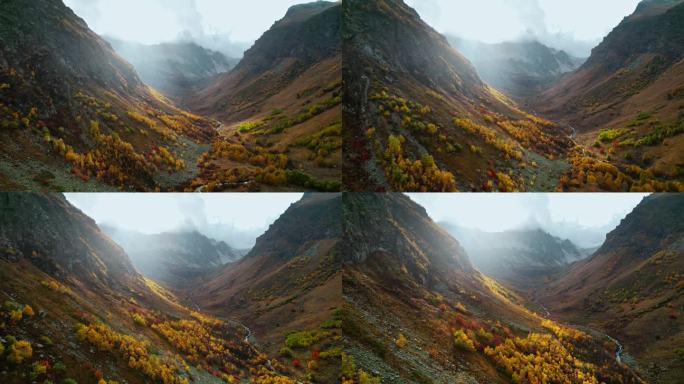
{"x":569,"y":215}
{"x":211,"y":22}
{"x":573,"y":25}
{"x":247,"y":215}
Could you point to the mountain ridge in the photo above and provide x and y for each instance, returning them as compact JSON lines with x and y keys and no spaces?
{"x":417,"y":311}
{"x":419,"y":117}
{"x":631,"y":286}
{"x":174,"y":258}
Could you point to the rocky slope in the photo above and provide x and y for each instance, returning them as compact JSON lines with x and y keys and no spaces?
{"x":418,"y":311}
{"x":625,"y":101}
{"x":632,"y":286}
{"x":418,"y":116}
{"x":75,"y":116}
{"x":95,"y":260}
{"x":174,"y":258}
{"x":175,"y":69}
{"x":518,"y":68}
{"x":282,"y":98}
{"x":522,"y":258}
{"x":289,"y":283}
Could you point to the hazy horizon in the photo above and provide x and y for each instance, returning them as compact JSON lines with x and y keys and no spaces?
{"x":573,"y":26}
{"x":226,"y":26}
{"x":237,"y":218}
{"x":583,"y":218}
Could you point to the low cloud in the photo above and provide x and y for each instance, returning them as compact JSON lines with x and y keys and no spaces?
{"x":575,"y":27}
{"x":227,"y":26}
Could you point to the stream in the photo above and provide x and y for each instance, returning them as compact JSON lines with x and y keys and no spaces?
{"x":250,"y":335}
{"x":620,"y":348}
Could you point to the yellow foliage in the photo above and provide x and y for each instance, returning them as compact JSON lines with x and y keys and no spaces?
{"x":462,"y":341}
{"x":540,"y":358}
{"x":135,"y":352}
{"x":365,"y":378}
{"x":510,"y":149}
{"x":419,"y":175}
{"x":28,"y":311}
{"x":401,"y":341}
{"x":19,"y":351}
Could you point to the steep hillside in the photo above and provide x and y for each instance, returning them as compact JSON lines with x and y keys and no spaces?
{"x":75,"y":310}
{"x":75,"y":116}
{"x":280,"y":106}
{"x":174,"y":258}
{"x":175,"y":69}
{"x":518,"y":68}
{"x":522,"y":258}
{"x":626,"y":100}
{"x":288,"y":286}
{"x":632,"y":287}
{"x":417,"y":311}
{"x":418,"y":117}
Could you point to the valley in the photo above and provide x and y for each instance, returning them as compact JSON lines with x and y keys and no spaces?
{"x":351,"y":287}
{"x":71,"y":294}
{"x":82,"y":119}
{"x":429,"y":112}
{"x":418,"y":311}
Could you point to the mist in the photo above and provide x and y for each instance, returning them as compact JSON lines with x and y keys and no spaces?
{"x":573,"y":26}
{"x":583,"y":218}
{"x":229,"y":27}
{"x":235,"y":218}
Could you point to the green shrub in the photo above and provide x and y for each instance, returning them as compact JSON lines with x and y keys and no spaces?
{"x":285,"y":352}
{"x":331,"y":353}
{"x":303,"y":339}
{"x":608,"y":135}
{"x":247,"y":126}
{"x":680,"y":353}
{"x":302,"y":179}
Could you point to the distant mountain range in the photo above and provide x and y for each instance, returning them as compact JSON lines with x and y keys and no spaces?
{"x":518,"y":68}
{"x":519,"y":257}
{"x":174,"y":258}
{"x":175,"y":69}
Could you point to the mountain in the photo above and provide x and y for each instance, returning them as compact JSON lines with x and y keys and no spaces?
{"x":418,"y":311}
{"x":94,"y":261}
{"x":175,"y":69}
{"x":174,"y":258}
{"x":418,"y":116}
{"x":75,"y":310}
{"x":518,"y":68}
{"x":288,"y":284}
{"x":522,"y":257}
{"x":625,"y":100}
{"x":75,"y":116}
{"x":284,"y":98}
{"x":632,"y":286}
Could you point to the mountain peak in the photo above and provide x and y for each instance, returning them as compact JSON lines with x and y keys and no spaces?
{"x":300,"y":12}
